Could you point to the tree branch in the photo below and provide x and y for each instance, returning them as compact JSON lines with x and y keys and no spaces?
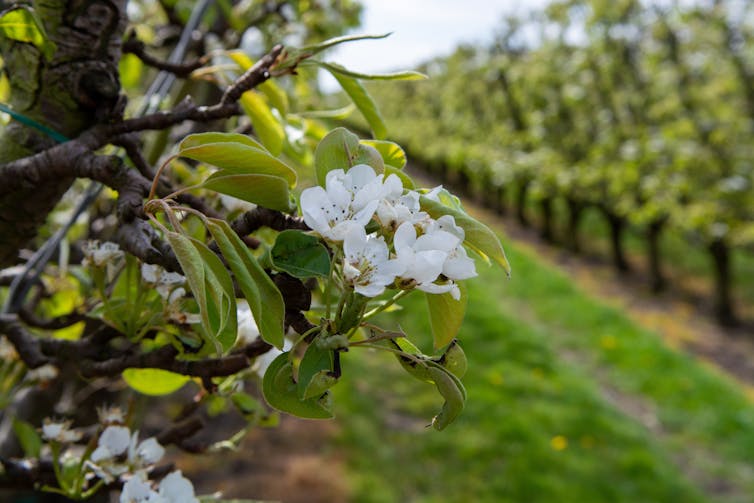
{"x":136,"y":47}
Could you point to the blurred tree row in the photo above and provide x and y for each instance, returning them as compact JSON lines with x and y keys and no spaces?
{"x":644,"y":111}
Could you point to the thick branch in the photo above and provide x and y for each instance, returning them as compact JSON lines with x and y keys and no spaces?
{"x":264,"y":217}
{"x":27,"y":346}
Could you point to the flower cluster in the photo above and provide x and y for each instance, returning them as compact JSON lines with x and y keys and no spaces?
{"x":119,"y":454}
{"x":386,"y":238}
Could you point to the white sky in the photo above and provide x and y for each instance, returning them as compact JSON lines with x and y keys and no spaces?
{"x":421,"y":30}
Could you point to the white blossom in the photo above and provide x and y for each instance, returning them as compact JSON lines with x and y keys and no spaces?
{"x":101,"y":254}
{"x":247,"y":327}
{"x":137,"y":490}
{"x":166,"y":283}
{"x":367,"y":266}
{"x":423,"y":258}
{"x":59,"y":431}
{"x":396,"y":207}
{"x":175,"y":488}
{"x":147,"y":452}
{"x":458,"y":265}
{"x":111,"y":415}
{"x":112,"y":442}
{"x":348,"y":199}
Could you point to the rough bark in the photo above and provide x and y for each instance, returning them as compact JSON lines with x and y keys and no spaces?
{"x":77,"y":88}
{"x":656,"y":278}
{"x":721,"y":261}
{"x":617,"y":227}
{"x":546,"y":232}
{"x":575,"y":210}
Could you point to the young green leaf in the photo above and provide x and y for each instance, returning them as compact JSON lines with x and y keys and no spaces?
{"x":336,"y":68}
{"x":27,"y":436}
{"x":23,"y":25}
{"x":212,"y":288}
{"x":479,"y":237}
{"x":300,"y":255}
{"x":265,"y":190}
{"x":364,"y":103}
{"x":265,"y":124}
{"x":240,"y":159}
{"x":315,"y":372}
{"x":391,"y":152}
{"x":265,"y":300}
{"x":198,"y":139}
{"x":453,"y":392}
{"x":154,"y":382}
{"x":446,"y":315}
{"x":280,"y":390}
{"x":341,"y":149}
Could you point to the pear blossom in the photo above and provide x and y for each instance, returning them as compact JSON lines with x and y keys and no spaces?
{"x":112,"y":442}
{"x":101,"y":254}
{"x":458,"y":265}
{"x":59,"y":431}
{"x":396,"y":207}
{"x":348,"y":199}
{"x":137,"y":490}
{"x":175,"y":488}
{"x":367,"y":266}
{"x":111,"y":415}
{"x":164,"y":282}
{"x":147,"y":452}
{"x":248,"y":330}
{"x":424,"y":258}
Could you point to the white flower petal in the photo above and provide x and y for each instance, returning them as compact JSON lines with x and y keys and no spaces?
{"x":176,"y":488}
{"x":115,"y":439}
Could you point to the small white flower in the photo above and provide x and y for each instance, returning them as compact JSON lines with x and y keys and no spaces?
{"x":137,"y":490}
{"x":111,"y":415}
{"x":396,"y":207}
{"x":263,"y":361}
{"x":458,"y":265}
{"x":112,"y":442}
{"x":348,"y":199}
{"x":164,"y":282}
{"x":367,"y":266}
{"x":175,"y":488}
{"x":424,"y":258}
{"x":247,"y":327}
{"x":148,"y":452}
{"x":101,"y":254}
{"x":59,"y":431}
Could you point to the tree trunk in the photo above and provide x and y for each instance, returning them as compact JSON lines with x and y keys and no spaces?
{"x":656,"y":278}
{"x":575,"y":210}
{"x":523,"y":188}
{"x":500,"y":197}
{"x":77,"y":88}
{"x":546,"y":231}
{"x":723,"y":300}
{"x":617,"y":226}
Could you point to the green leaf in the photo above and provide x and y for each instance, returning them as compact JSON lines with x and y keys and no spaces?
{"x":265,"y":190}
{"x":454,"y":393}
{"x":27,"y":435}
{"x":265,"y":300}
{"x":223,"y":296}
{"x":364,"y":103}
{"x":341,"y":149}
{"x":241,"y":159}
{"x":276,"y":95}
{"x":408,"y":182}
{"x":213,"y":294}
{"x":336,"y":68}
{"x":265,"y":124}
{"x":479,"y":237}
{"x":197,"y":139}
{"x":446,"y":315}
{"x":300,"y":255}
{"x":315,"y":372}
{"x":23,"y":25}
{"x":315,"y":48}
{"x":154,"y":382}
{"x":391,"y":152}
{"x":280,"y":390}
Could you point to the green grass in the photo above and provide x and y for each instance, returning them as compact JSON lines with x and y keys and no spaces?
{"x":569,"y":401}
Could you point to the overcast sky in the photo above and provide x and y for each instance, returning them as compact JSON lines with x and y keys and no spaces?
{"x":422,"y":29}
